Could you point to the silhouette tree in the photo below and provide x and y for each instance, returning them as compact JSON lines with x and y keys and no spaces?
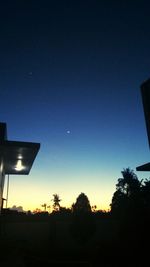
{"x":127,"y":195}
{"x":82,"y":204}
{"x":129,"y":184}
{"x":131,"y":206}
{"x":44,"y":206}
{"x":83,"y":225}
{"x":119,"y":203}
{"x":56,"y":202}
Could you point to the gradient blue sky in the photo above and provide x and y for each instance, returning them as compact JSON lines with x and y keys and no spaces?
{"x":70,"y":76}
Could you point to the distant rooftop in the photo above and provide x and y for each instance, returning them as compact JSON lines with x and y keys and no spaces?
{"x":145,"y":167}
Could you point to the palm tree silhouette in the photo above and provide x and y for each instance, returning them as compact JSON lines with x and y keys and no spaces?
{"x":44,"y":206}
{"x":56,"y":202}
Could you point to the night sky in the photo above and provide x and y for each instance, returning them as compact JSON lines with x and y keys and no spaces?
{"x":70,"y":76}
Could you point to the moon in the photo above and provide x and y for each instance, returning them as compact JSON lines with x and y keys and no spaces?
{"x":68,"y":132}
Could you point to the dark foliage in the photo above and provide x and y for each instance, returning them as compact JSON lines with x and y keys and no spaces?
{"x":131,"y":207}
{"x":82,"y":225}
{"x":82,"y":204}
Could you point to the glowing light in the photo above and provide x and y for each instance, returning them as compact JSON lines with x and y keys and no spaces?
{"x":19,"y":166}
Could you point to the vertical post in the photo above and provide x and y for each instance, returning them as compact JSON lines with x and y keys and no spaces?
{"x":7,"y":191}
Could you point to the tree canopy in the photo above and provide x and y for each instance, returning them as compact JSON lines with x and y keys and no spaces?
{"x":132,"y":196}
{"x":129,"y":184}
{"x":82,"y":204}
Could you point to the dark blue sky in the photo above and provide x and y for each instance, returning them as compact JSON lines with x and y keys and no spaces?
{"x":70,"y":76}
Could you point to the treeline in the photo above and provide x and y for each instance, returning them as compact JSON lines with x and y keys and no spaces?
{"x":122,"y":232}
{"x":132,"y":197}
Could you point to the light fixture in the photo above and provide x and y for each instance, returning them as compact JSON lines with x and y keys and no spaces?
{"x":20,"y":156}
{"x":19,"y":166}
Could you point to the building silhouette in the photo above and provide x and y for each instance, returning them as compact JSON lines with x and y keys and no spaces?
{"x":15,"y":157}
{"x":145,"y":93}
